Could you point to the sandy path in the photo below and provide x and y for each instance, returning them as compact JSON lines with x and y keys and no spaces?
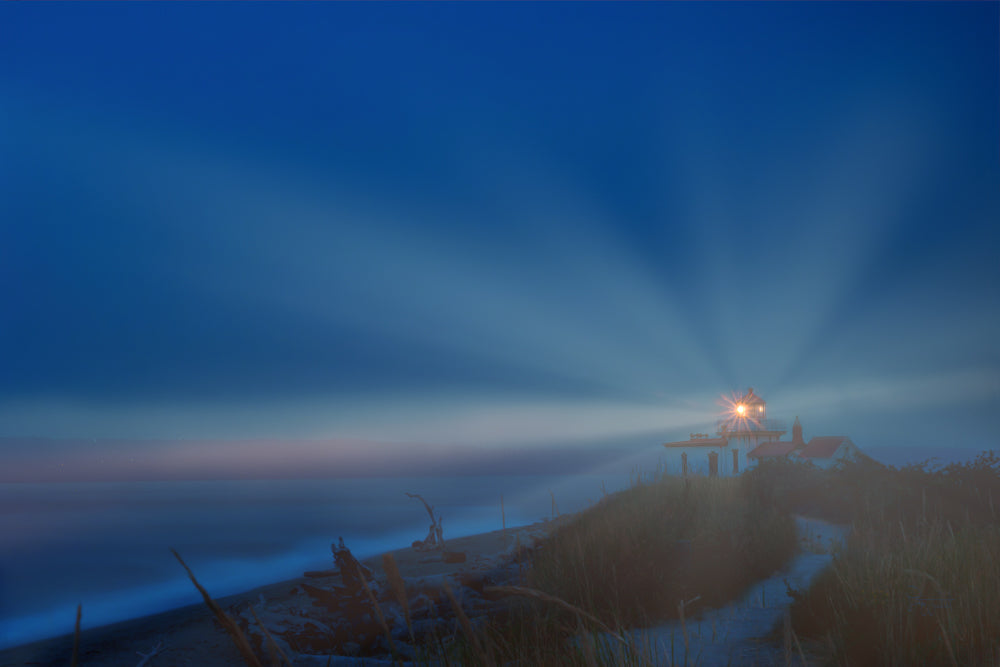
{"x":732,"y":635}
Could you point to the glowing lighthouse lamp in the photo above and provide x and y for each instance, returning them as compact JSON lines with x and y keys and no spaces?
{"x":745,"y":418}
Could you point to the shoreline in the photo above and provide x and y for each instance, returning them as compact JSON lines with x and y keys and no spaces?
{"x":190,"y":635}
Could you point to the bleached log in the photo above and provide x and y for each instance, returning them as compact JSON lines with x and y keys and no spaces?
{"x":427,"y":505}
{"x":435,"y":536}
{"x":146,"y":656}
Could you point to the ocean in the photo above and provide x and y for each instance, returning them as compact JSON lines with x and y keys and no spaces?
{"x":106,"y":545}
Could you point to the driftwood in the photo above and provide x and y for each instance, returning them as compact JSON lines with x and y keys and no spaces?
{"x":378,"y":627}
{"x":146,"y":657}
{"x":317,"y":574}
{"x":352,"y":573}
{"x":322,"y":597}
{"x":435,"y":534}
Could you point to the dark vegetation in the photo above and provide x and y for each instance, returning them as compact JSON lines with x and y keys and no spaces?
{"x":634,"y":557}
{"x":651,"y":553}
{"x":918,"y":581}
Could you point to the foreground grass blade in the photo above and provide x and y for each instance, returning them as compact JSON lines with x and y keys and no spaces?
{"x":545,"y":597}
{"x":76,"y":636}
{"x":227,"y":622}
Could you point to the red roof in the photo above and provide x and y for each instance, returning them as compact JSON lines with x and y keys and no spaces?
{"x":774,"y":448}
{"x":823,"y":447}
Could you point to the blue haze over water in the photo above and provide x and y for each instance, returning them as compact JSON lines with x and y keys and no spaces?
{"x":105,"y":545}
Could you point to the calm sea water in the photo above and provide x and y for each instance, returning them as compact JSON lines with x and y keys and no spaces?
{"x":106,"y":545}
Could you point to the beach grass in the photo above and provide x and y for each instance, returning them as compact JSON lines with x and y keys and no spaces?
{"x":638,"y":553}
{"x":918,"y":580}
{"x":650,"y":553}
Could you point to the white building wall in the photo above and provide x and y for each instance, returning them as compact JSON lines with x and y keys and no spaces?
{"x":698,"y":458}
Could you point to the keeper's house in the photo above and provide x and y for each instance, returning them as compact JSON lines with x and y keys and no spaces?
{"x":822,"y":451}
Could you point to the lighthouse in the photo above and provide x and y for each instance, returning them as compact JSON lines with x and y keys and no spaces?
{"x":743,"y":426}
{"x":746,"y":419}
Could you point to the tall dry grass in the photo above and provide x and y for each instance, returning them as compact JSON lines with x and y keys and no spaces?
{"x":918,"y":581}
{"x":631,"y":558}
{"x":634,"y":559}
{"x":542,"y":630}
{"x":224,"y":619}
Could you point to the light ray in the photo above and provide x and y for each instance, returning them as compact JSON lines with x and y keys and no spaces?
{"x":597,"y":320}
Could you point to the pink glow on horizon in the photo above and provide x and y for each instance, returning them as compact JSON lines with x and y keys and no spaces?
{"x":145,"y":460}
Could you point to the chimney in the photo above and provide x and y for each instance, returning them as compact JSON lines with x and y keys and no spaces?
{"x":797,"y":433}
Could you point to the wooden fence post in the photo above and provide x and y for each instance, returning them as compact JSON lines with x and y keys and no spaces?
{"x":736,"y":461}
{"x":684,"y":463}
{"x":713,"y":464}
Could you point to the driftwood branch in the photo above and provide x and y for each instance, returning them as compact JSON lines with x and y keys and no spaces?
{"x":352,"y":571}
{"x":147,"y":656}
{"x":435,"y":536}
{"x":427,"y":506}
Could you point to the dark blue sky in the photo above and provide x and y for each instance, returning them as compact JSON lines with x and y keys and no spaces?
{"x":314,"y":219}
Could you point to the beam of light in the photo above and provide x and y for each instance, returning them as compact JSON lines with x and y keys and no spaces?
{"x":891,"y":395}
{"x":564,"y":301}
{"x":825,"y":227}
{"x":483,"y":421}
{"x":596,"y":318}
{"x":332,"y":436}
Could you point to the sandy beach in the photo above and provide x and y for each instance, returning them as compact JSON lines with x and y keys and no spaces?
{"x":191,"y":636}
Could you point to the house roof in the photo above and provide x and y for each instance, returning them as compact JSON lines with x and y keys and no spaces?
{"x":823,"y":447}
{"x":774,"y":448}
